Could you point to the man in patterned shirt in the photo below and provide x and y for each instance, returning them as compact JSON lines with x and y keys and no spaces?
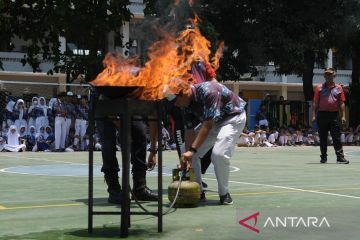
{"x":223,"y":118}
{"x":329,"y":100}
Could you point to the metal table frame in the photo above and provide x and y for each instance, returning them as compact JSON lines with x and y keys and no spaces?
{"x":125,"y":110}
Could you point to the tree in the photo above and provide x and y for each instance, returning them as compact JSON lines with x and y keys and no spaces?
{"x":235,"y":23}
{"x":85,"y":23}
{"x":297,"y":34}
{"x":346,"y":42}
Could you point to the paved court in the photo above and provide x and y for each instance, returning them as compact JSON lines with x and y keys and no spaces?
{"x":43,"y":196}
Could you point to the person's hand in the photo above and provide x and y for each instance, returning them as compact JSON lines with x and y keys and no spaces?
{"x":151,"y":161}
{"x":343,"y":121}
{"x":313,"y":119}
{"x":186,"y":159}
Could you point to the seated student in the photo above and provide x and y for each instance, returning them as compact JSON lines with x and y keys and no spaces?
{"x":357,"y":135}
{"x":22,"y":134}
{"x":258,"y":138}
{"x":70,"y":141}
{"x":22,"y":131}
{"x":283,"y":136}
{"x":13,"y":142}
{"x":349,"y":138}
{"x":40,"y":140}
{"x":291,"y":132}
{"x":299,"y":135}
{"x":50,"y":137}
{"x":244,"y":139}
{"x":31,"y":138}
{"x":2,"y":144}
{"x":273,"y":136}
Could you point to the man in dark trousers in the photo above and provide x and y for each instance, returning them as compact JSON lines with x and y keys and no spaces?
{"x":107,"y":130}
{"x":329,"y":100}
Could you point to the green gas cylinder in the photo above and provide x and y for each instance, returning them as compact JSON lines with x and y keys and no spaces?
{"x":189,"y":192}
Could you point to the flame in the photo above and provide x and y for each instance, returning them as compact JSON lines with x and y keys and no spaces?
{"x":170,"y":57}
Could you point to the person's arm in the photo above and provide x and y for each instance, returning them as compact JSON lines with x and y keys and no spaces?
{"x":153,"y":144}
{"x":315,"y":105}
{"x":199,"y":140}
{"x":342,"y":112}
{"x":314,"y":109}
{"x":189,"y":137}
{"x":342,"y":106}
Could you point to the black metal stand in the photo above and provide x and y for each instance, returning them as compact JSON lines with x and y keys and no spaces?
{"x":124,"y":109}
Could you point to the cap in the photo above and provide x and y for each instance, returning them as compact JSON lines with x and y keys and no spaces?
{"x":329,"y":71}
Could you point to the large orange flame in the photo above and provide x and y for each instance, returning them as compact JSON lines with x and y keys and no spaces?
{"x":170,"y":57}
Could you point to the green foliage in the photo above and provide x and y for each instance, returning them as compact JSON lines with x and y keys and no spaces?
{"x":85,"y":23}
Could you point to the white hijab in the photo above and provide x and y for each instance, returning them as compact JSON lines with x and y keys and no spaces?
{"x":34,"y":103}
{"x":13,"y":138}
{"x":43,"y":106}
{"x":10,"y":106}
{"x":24,"y":133}
{"x":30,"y":133}
{"x":21,"y":115}
{"x":39,"y":133}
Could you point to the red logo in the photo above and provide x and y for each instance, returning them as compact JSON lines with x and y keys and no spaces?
{"x":252,"y":228}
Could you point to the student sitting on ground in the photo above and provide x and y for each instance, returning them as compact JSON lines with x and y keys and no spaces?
{"x":244,"y":139}
{"x":13,"y":142}
{"x":31,"y":138}
{"x":2,"y":143}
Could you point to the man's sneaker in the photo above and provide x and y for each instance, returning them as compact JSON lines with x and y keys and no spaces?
{"x":202,"y":196}
{"x":342,"y":160}
{"x":226,"y":199}
{"x":323,"y":159}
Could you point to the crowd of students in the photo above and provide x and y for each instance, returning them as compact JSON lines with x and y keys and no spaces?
{"x":290,"y":136}
{"x":60,"y":125}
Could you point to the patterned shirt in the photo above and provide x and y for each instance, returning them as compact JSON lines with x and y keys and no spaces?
{"x":214,"y":101}
{"x":71,"y":110}
{"x":329,"y":97}
{"x":61,"y":107}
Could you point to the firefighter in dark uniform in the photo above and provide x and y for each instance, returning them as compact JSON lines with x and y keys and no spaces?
{"x":110,"y":168}
{"x":329,"y":101}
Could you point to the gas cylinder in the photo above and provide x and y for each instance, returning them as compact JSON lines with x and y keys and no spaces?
{"x":189,"y":192}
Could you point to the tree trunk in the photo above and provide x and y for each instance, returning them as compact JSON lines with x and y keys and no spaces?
{"x":354,"y":100}
{"x":308,"y":74}
{"x":355,"y":65}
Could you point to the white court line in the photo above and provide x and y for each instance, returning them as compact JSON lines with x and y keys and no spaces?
{"x":38,"y":159}
{"x":291,"y":188}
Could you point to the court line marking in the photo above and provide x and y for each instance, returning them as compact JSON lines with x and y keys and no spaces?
{"x":34,"y":158}
{"x":44,"y":206}
{"x":280,"y":192}
{"x":291,"y":188}
{"x":165,"y":198}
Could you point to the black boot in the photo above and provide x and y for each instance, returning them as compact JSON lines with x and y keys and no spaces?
{"x":342,"y":160}
{"x":141,"y":191}
{"x":323,"y":158}
{"x":340,"y":157}
{"x":114,"y":188}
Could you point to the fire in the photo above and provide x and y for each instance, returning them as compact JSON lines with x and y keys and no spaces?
{"x":170,"y":57}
